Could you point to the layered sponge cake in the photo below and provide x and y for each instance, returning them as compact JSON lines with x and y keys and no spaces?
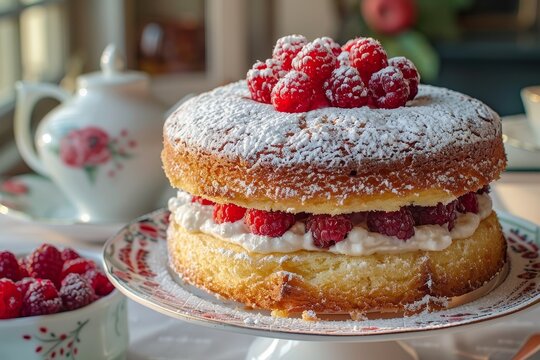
{"x":340,"y":191}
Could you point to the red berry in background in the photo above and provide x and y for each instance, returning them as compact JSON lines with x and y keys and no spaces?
{"x":409,"y":71}
{"x":76,"y":292}
{"x":347,"y":46}
{"x":77,"y":266}
{"x":99,"y":282}
{"x":262,"y":78}
{"x":327,"y":230}
{"x":286,"y":49}
{"x":24,"y":284}
{"x":319,"y":98}
{"x":388,"y":88}
{"x":389,"y":17}
{"x":345,"y":88}
{"x":69,"y":254}
{"x":315,"y":60}
{"x":10,"y":299}
{"x":42,"y":298}
{"x":268,"y":223}
{"x":394,"y":223}
{"x":330,"y":44}
{"x":228,"y":213}
{"x":9,"y":266}
{"x":23,"y":267}
{"x":468,"y":203}
{"x":293,"y":93}
{"x":368,"y":56}
{"x":343,"y":59}
{"x":439,"y":214}
{"x":201,"y":200}
{"x":46,"y":263}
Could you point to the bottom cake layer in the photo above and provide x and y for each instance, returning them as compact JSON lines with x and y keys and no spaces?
{"x":332,"y":283}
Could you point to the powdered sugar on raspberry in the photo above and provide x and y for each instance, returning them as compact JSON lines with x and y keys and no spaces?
{"x":227,"y":123}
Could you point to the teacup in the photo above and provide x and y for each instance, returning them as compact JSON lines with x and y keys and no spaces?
{"x":531,"y":100}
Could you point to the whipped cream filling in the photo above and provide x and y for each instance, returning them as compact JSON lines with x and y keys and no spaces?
{"x":195,"y":217}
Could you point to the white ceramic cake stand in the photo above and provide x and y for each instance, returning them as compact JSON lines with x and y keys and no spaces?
{"x":136,"y":262}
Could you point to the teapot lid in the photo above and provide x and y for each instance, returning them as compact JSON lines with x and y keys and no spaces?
{"x":112,"y":72}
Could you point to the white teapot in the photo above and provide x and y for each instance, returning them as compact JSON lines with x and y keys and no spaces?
{"x":100,"y":146}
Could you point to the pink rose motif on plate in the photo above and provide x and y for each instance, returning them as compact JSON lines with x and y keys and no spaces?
{"x":14,"y":187}
{"x":91,"y":147}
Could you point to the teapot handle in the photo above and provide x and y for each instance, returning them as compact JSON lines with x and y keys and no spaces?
{"x":28,"y":94}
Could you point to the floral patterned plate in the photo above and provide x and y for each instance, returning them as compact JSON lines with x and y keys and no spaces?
{"x":136,"y":261}
{"x":32,"y":197}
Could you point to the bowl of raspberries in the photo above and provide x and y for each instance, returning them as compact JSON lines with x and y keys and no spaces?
{"x":57,"y":304}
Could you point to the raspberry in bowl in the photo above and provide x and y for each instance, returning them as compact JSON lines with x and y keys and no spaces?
{"x":56,"y":304}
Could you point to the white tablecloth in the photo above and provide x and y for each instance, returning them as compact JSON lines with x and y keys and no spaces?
{"x":154,"y":336}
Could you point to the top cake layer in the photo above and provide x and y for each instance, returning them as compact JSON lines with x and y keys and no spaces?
{"x":226,"y":147}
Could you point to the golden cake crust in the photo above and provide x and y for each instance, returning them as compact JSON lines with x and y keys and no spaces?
{"x":333,"y":283}
{"x":228,"y":148}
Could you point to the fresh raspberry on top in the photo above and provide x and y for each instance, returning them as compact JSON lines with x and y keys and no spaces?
{"x":327,"y":230}
{"x":343,"y":59}
{"x":345,"y":88}
{"x":409,"y":71}
{"x":262,"y":78}
{"x":228,"y":213}
{"x":99,"y":282}
{"x":9,"y":266}
{"x":268,"y":223}
{"x":330,"y":44}
{"x":46,"y":262}
{"x":439,"y":214}
{"x":348,"y":45}
{"x":202,"y":201}
{"x":367,"y":56}
{"x":76,"y":292}
{"x":10,"y":299}
{"x":315,"y":60}
{"x":394,"y":223}
{"x":77,"y":266}
{"x":42,"y":298}
{"x":293,"y":93}
{"x":388,"y":88}
{"x":24,"y":284}
{"x":468,"y":203}
{"x":286,"y":49}
{"x":23,"y":267}
{"x":69,"y":254}
{"x":319,"y":98}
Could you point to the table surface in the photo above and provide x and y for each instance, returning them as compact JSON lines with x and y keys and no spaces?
{"x":155,"y":336}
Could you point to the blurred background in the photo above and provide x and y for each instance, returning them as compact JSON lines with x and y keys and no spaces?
{"x":489,"y":49}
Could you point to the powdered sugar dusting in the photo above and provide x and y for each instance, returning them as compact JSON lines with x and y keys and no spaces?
{"x":227,"y":123}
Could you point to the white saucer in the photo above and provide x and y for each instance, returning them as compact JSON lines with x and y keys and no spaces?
{"x":522,"y":148}
{"x":34,"y":198}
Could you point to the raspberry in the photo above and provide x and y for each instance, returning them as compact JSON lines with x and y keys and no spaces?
{"x":327,"y":230}
{"x":389,"y":88}
{"x":228,"y":213}
{"x":315,"y":60}
{"x":293,"y":93}
{"x":76,"y":292}
{"x":439,"y":214}
{"x":262,"y":78}
{"x":268,"y":223}
{"x":349,"y":44}
{"x":10,"y":299}
{"x":484,"y":190}
{"x":41,"y":299}
{"x":409,"y":71}
{"x":345,"y":88}
{"x":69,"y":254}
{"x":330,"y":44}
{"x":319,"y":99}
{"x":24,"y":284}
{"x":468,"y":203}
{"x":46,"y":263}
{"x":9,"y":266}
{"x":77,"y":266}
{"x":202,"y":201}
{"x":23,"y":267}
{"x":394,"y":223}
{"x":99,"y":282}
{"x":367,"y":56}
{"x":343,"y":59}
{"x":286,"y":49}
